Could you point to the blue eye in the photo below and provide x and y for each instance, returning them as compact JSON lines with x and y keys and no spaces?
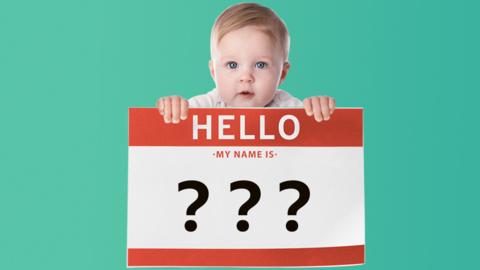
{"x":232,"y":65}
{"x":261,"y":65}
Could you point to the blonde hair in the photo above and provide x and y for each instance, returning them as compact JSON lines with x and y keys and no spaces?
{"x":251,"y":14}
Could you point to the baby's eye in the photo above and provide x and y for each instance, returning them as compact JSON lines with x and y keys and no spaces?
{"x":232,"y":65}
{"x":261,"y":65}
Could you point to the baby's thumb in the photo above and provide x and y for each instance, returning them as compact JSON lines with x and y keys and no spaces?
{"x":184,"y":109}
{"x":160,"y":106}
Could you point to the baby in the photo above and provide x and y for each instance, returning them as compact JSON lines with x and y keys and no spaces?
{"x":249,"y":48}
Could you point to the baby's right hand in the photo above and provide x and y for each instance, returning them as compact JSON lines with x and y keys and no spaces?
{"x":173,"y":108}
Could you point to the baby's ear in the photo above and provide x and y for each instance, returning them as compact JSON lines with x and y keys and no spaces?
{"x":285,"y":69}
{"x":212,"y":70}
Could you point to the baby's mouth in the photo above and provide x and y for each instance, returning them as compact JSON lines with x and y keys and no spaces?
{"x":245,"y":93}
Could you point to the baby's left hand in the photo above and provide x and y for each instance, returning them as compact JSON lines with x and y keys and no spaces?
{"x":320,"y":107}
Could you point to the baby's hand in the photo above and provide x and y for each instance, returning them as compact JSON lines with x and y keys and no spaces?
{"x":173,"y":108}
{"x":321,"y":107}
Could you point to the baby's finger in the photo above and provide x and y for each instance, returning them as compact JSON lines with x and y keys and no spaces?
{"x":316,"y":109}
{"x":331,"y":105}
{"x":324,"y":108}
{"x":167,"y":116}
{"x":160,"y":106}
{"x":176,"y":109}
{"x":184,"y":109}
{"x":307,"y":103}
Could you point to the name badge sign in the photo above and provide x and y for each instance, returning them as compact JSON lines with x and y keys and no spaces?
{"x":253,"y":187}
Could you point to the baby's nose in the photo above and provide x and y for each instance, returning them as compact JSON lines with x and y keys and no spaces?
{"x":246,"y":77}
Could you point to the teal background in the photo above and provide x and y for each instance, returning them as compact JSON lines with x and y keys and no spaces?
{"x":70,"y":69}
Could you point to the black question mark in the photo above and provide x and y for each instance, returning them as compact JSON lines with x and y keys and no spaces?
{"x":254,"y":190}
{"x":202,"y":198}
{"x":304,"y":192}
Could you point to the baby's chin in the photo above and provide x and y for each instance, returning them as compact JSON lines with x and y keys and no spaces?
{"x":245,"y":103}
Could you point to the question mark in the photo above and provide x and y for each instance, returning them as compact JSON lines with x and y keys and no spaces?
{"x":254,"y":190}
{"x":202,"y":198}
{"x":304,"y":192}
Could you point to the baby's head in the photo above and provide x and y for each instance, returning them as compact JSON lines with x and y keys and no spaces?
{"x":249,"y":47}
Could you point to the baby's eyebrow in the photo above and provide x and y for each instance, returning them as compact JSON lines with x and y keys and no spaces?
{"x":265,"y":57}
{"x":227,"y":57}
{"x":223,"y":58}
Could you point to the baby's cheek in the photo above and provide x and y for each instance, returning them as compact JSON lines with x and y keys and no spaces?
{"x":270,"y":78}
{"x":225,"y":94}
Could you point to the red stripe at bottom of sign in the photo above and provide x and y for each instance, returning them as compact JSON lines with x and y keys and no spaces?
{"x":247,"y":257}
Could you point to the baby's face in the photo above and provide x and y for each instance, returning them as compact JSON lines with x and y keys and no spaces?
{"x":247,"y":67}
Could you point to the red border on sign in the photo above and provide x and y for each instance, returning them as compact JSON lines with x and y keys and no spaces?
{"x":290,"y":257}
{"x":345,"y":128}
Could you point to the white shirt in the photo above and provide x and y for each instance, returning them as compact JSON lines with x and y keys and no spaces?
{"x":213,"y":100}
